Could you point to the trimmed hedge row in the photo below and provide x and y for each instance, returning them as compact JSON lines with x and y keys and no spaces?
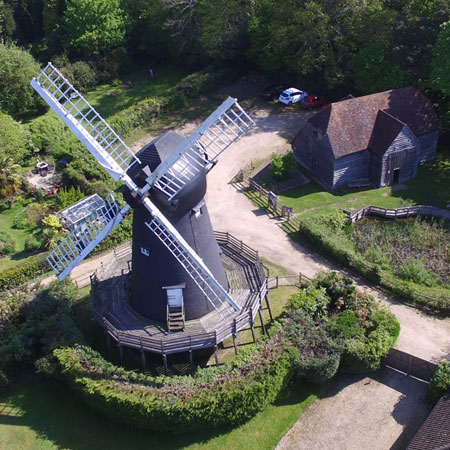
{"x":18,"y":275}
{"x":338,"y":246}
{"x":230,"y":396}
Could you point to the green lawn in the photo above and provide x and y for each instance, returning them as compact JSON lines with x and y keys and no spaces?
{"x":108,"y":99}
{"x":36,"y":414}
{"x":430,"y":187}
{"x":18,"y":236}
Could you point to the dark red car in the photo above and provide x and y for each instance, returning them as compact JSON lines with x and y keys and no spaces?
{"x":313,"y":101}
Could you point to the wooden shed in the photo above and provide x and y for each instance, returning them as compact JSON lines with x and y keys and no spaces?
{"x":381,"y":137}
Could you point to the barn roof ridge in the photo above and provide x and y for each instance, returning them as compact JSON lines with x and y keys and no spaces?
{"x":351,"y":123}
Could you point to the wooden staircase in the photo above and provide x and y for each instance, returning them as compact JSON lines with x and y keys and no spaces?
{"x":175,"y":318}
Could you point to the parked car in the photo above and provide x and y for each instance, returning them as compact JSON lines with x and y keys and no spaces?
{"x":292,"y":95}
{"x":313,"y":101}
{"x":273,"y":91}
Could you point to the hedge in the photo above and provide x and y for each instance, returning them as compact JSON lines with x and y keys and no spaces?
{"x":34,"y":266}
{"x":337,"y":245}
{"x":228,"y":396}
{"x":136,"y":116}
{"x":439,"y":382}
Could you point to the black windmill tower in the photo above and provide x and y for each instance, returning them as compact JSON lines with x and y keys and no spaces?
{"x":175,"y":257}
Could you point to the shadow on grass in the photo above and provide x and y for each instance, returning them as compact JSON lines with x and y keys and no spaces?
{"x":47,"y":413}
{"x":57,"y":415}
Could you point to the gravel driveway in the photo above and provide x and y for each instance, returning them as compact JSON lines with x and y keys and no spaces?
{"x":378,"y":412}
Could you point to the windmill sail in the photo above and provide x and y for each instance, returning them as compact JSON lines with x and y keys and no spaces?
{"x":84,"y":121}
{"x":85,"y":235}
{"x":113,"y":154}
{"x":200,"y":151}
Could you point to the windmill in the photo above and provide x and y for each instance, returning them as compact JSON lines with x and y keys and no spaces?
{"x":175,"y":258}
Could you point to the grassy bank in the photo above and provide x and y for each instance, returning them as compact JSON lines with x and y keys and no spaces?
{"x":430,"y":187}
{"x":39,"y":415}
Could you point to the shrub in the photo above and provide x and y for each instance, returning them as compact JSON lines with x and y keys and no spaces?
{"x":227,"y":395}
{"x":24,"y":273}
{"x":12,"y":139}
{"x":347,"y":325}
{"x":79,"y":73}
{"x":356,"y":330}
{"x":312,"y":301}
{"x":439,"y":382}
{"x":283,"y":167}
{"x":365,"y":355}
{"x":33,"y":244}
{"x":414,"y":269}
{"x":67,"y":197}
{"x":7,"y":246}
{"x":337,"y":286}
{"x":35,"y":212}
{"x":319,"y":354}
{"x":46,"y":132}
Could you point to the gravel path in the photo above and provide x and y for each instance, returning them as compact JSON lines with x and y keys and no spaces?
{"x":378,"y":412}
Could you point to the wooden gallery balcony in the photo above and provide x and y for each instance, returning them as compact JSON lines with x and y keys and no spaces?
{"x":112,"y":310}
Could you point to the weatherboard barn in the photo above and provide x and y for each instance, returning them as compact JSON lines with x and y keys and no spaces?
{"x":378,"y":139}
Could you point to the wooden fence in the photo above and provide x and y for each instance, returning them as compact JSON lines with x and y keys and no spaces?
{"x":174,"y":344}
{"x":419,"y":210}
{"x":293,"y":224}
{"x":409,"y":364}
{"x":287,"y":280}
{"x":272,"y":204}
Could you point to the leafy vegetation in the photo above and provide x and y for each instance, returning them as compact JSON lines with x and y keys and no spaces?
{"x":335,"y":241}
{"x":17,"y":68}
{"x":439,"y":382}
{"x":283,"y":166}
{"x":414,"y":248}
{"x":333,"y":325}
{"x":36,"y":413}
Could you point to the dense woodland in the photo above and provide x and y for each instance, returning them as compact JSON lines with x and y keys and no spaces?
{"x":332,"y":47}
{"x":341,"y":46}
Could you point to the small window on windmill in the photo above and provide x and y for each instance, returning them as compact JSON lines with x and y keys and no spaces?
{"x":83,"y":212}
{"x":145,"y":251}
{"x":198,"y":211}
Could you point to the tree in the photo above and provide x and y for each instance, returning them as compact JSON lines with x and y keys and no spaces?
{"x":223,"y":29}
{"x":10,"y":178}
{"x":374,"y":71}
{"x":12,"y":138}
{"x":183,"y":24}
{"x":7,"y":24}
{"x":146,"y":35}
{"x":440,"y":71}
{"x":94,"y":27}
{"x":17,"y":68}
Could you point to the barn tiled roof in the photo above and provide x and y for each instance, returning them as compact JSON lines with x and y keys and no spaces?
{"x":434,"y":434}
{"x":349,"y":124}
{"x":386,"y":129}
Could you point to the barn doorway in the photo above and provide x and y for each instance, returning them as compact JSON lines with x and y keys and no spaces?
{"x":396,"y":176}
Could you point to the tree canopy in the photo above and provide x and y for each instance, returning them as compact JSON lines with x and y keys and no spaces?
{"x":93,"y":27}
{"x":17,"y":68}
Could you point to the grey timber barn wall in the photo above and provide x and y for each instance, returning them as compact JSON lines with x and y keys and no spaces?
{"x":402,"y":154}
{"x":375,"y":169}
{"x":313,"y":151}
{"x":350,"y":167}
{"x":428,"y":144}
